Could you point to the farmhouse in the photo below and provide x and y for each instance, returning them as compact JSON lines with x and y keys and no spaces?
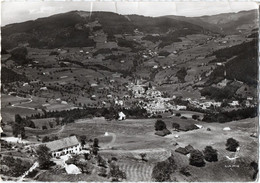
{"x":69,"y":145}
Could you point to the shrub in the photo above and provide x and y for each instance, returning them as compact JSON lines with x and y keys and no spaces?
{"x":175,"y":126}
{"x":232,"y":144}
{"x":196,"y":158}
{"x":159,"y":125}
{"x":210,"y":154}
{"x":183,"y":117}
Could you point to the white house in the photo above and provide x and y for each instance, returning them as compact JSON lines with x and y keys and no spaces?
{"x":68,"y":145}
{"x":122,"y":116}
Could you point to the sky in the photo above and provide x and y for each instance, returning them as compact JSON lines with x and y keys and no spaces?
{"x":20,"y":11}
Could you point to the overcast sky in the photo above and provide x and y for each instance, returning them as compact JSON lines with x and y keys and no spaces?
{"x":14,"y":12}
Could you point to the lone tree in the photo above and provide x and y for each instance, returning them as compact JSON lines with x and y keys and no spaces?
{"x":210,"y":154}
{"x":196,"y":158}
{"x":162,"y":170}
{"x":232,"y":145}
{"x":143,"y":155}
{"x":95,"y":143}
{"x":159,"y":125}
{"x":44,"y":157}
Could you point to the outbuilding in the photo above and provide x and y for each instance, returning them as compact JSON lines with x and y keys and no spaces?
{"x":122,"y":116}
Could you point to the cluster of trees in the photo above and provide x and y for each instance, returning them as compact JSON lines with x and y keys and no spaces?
{"x":44,"y":157}
{"x":151,"y":38}
{"x":233,"y":115}
{"x":14,"y":167}
{"x":210,"y":154}
{"x":219,"y":94}
{"x":237,"y":68}
{"x":87,"y":112}
{"x":181,"y":74}
{"x":18,"y":126}
{"x":197,"y":157}
{"x":19,"y":55}
{"x":102,"y":51}
{"x":116,"y":173}
{"x":127,"y":43}
{"x":9,"y":76}
{"x":162,"y":170}
{"x":48,"y":139}
{"x":164,"y":53}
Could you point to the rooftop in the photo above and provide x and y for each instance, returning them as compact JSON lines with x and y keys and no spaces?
{"x":62,"y":143}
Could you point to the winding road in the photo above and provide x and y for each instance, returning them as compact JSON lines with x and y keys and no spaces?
{"x":18,"y":104}
{"x":111,"y":143}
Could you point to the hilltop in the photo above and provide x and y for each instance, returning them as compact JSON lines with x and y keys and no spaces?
{"x":75,"y":29}
{"x":225,"y":23}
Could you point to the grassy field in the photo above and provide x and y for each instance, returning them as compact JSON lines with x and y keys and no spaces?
{"x":137,"y":136}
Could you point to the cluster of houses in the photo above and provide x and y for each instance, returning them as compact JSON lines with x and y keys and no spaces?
{"x":153,"y":101}
{"x":202,"y":103}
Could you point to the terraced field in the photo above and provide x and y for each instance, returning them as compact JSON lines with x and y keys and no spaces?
{"x":137,"y":171}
